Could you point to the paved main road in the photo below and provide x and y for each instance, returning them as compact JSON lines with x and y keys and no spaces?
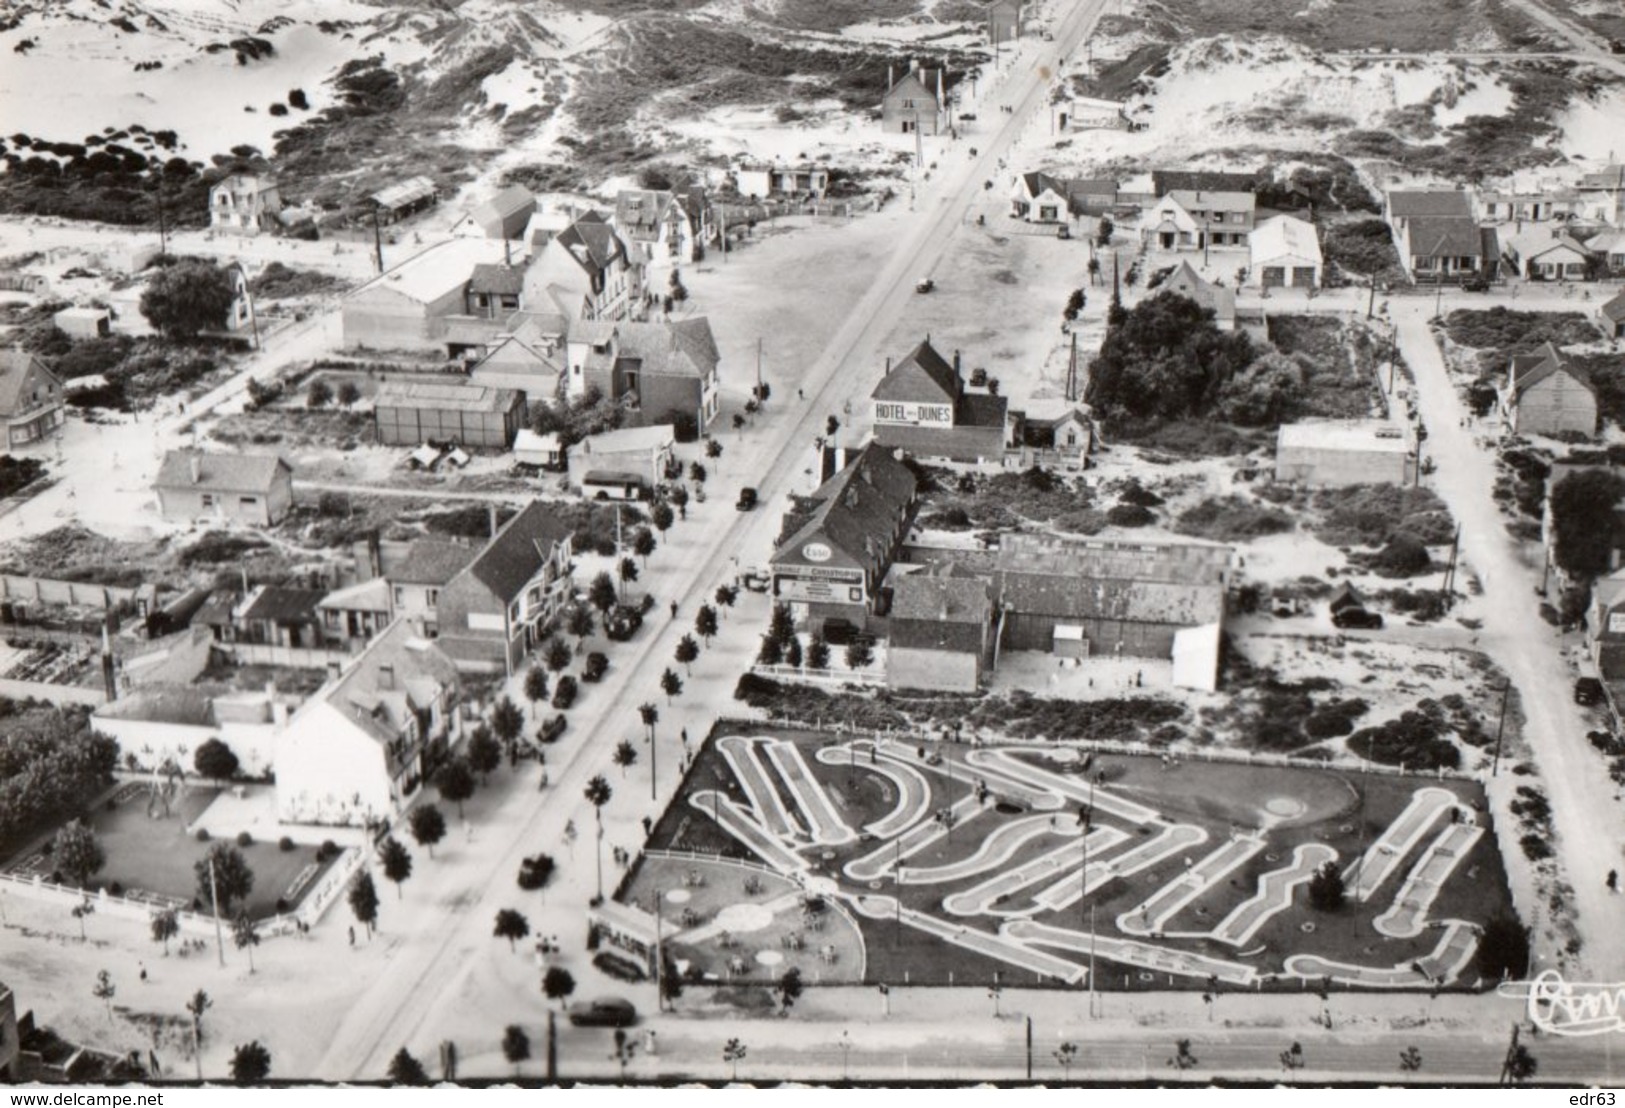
{"x":1585,"y":815}
{"x":426,"y":972}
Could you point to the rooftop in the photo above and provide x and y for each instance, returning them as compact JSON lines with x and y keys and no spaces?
{"x":402,"y":193}
{"x":439,"y":270}
{"x":903,"y":380}
{"x":220,"y":472}
{"x":627,"y":440}
{"x":857,"y":510}
{"x":518,"y":551}
{"x":510,"y":201}
{"x":1410,"y":203}
{"x":1445,"y":236}
{"x":1370,"y":435}
{"x":1285,"y":235}
{"x":431,"y":562}
{"x":281,"y":604}
{"x":463,"y":398}
{"x":1164,"y":181}
{"x":397,"y":673}
{"x":14,"y":365}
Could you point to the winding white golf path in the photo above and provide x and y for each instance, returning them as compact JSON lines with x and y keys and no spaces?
{"x":1408,"y":914}
{"x":1275,"y":892}
{"x":1073,"y":887}
{"x":979,"y":899}
{"x":1036,"y":797}
{"x":1130,"y":952}
{"x":1444,"y":963}
{"x":1367,"y":873}
{"x":877,"y":863}
{"x":999,"y":946}
{"x":741,"y":753}
{"x":913,"y":793}
{"x":997,"y":848}
{"x":828,"y":828}
{"x":738,"y":824}
{"x":1149,"y":916}
{"x":1007,"y":765}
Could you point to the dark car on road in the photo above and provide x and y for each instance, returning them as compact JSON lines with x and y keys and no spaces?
{"x":622,"y":622}
{"x":1357,"y":619}
{"x":608,"y":1011}
{"x":1588,"y":691}
{"x":550,"y":731}
{"x":747,"y":499}
{"x":595,"y":667}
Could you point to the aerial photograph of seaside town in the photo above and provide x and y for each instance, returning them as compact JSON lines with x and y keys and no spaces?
{"x":812,"y":542}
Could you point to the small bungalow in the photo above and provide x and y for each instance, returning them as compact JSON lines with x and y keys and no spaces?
{"x":1540,"y":255}
{"x":245,"y":202}
{"x":760,"y":180}
{"x":541,"y":451}
{"x":253,"y":489}
{"x":83,"y":323}
{"x":1196,"y":220}
{"x":1217,"y":299}
{"x":1089,"y":113}
{"x":405,"y":198}
{"x":1602,"y":195}
{"x":1609,"y":250}
{"x":1546,"y":395}
{"x":1611,"y":316}
{"x":505,"y":215}
{"x":623,"y":464}
{"x":1285,"y":254}
{"x":1331,"y":453}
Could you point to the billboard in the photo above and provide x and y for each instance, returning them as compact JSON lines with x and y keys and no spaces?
{"x":829,"y":586}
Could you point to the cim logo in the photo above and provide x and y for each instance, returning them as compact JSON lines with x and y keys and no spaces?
{"x":939,"y":414}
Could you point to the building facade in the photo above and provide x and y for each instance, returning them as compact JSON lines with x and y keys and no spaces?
{"x":922,"y":407}
{"x":252,"y":489}
{"x":1546,"y":395}
{"x":1333,"y":453}
{"x":941,"y":631}
{"x":246,"y":203}
{"x":412,"y":413}
{"x":914,"y":104}
{"x":30,"y":399}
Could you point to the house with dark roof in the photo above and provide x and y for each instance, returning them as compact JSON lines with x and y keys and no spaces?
{"x":280,"y":615}
{"x":668,"y":229}
{"x":404,"y":199}
{"x":941,"y":628}
{"x":1043,"y":198}
{"x":529,"y":356}
{"x":493,"y":291}
{"x":253,"y":489}
{"x":363,"y":745}
{"x":1193,"y":219}
{"x":914,"y":103}
{"x":1165,"y":181}
{"x":1545,"y":394}
{"x":1611,"y":316}
{"x":922,"y":407}
{"x":667,"y":371}
{"x":1436,"y":233}
{"x":1186,"y":282}
{"x":416,"y":578}
{"x":836,"y":545}
{"x":494,"y":611}
{"x":587,"y":271}
{"x":30,"y":399}
{"x":504,"y":215}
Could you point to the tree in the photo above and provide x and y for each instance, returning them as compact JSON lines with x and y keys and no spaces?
{"x":407,"y":1070}
{"x":789,"y":989}
{"x":677,"y":497}
{"x":428,"y":826}
{"x":1584,"y":530}
{"x":1503,"y":948}
{"x":643,"y":543}
{"x":782,"y":626}
{"x":1074,"y":305}
{"x":831,"y":425}
{"x":507,"y":721}
{"x":579,"y":621}
{"x":739,"y":421}
{"x":558,"y":984}
{"x":772,"y":653}
{"x":601,"y":593}
{"x":817,"y":652}
{"x":215,"y":760}
{"x":733,"y":1052}
{"x":671,"y":684}
{"x":1165,"y":360}
{"x":245,"y":934}
{"x":628,"y":570}
{"x":78,"y":855}
{"x":687,"y":651}
{"x":1326,"y":888}
{"x":557,"y":654}
{"x":192,"y":296}
{"x":727,"y":596}
{"x":713,"y":448}
{"x":626,"y":755}
{"x":484,"y":754}
{"x":397,"y":862}
{"x":363,"y":898}
{"x":792,"y":652}
{"x":515,"y":1046}
{"x":859,"y":653}
{"x":319,"y":394}
{"x":679,"y":292}
{"x":598,"y":793}
{"x":661,"y":516}
{"x":250,"y":1063}
{"x":536,"y":689}
{"x":104,"y":991}
{"x":455,"y":781}
{"x":1067,"y":1055}
{"x":232,"y":879}
{"x":511,"y":925}
{"x":165,"y":926}
{"x":349,"y":394}
{"x":1103,"y":232}
{"x":705,"y":623}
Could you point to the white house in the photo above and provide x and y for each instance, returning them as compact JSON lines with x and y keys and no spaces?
{"x":1087,"y":113}
{"x":361,"y":747}
{"x":632,"y":457}
{"x":1219,"y":300}
{"x":244,"y":202}
{"x":1543,"y":256}
{"x":163,"y":723}
{"x":1285,"y":254}
{"x":1040,"y":198}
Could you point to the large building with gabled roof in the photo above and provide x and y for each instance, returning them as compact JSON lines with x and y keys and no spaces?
{"x":922,"y":407}
{"x":1545,"y":394}
{"x":836,"y":545}
{"x":495,"y":610}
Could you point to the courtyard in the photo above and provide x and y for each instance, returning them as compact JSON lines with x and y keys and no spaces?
{"x":150,"y":855}
{"x":870,"y":859}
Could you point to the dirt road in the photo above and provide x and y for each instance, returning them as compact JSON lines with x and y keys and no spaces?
{"x":1590,"y":824}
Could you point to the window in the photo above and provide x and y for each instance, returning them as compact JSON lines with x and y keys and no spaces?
{"x":208,"y":500}
{"x":247,"y":501}
{"x":400,"y":596}
{"x":432,"y":596}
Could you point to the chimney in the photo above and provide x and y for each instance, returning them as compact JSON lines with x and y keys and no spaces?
{"x":891,"y":77}
{"x":194,"y":463}
{"x":956,"y":363}
{"x":386,"y":676}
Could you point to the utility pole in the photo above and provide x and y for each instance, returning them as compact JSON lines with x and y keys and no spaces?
{"x":377,"y":241}
{"x":1512,"y":1050}
{"x":1029,"y":1048}
{"x":552,"y":1049}
{"x":1500,"y":729}
{"x":1371,"y":301}
{"x":1072,"y":372}
{"x":163,"y":227}
{"x":1447,"y":590}
{"x":219,"y":933}
{"x":758,"y":370}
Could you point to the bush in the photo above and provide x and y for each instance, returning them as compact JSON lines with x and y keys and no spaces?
{"x":1334,"y":718}
{"x":1232,"y":519}
{"x":1404,"y":556}
{"x":328,"y":849}
{"x":1130,"y":515}
{"x":115,"y":889}
{"x":202,"y":834}
{"x":244,"y":839}
{"x":285,"y":844}
{"x":1415,"y":740}
{"x":282,"y":905}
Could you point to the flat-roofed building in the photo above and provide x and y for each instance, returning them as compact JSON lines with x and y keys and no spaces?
{"x":408,"y":413}
{"x":1335,"y":452}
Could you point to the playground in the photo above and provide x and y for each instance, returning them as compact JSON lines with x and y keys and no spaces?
{"x":150,"y":856}
{"x":883,"y":860}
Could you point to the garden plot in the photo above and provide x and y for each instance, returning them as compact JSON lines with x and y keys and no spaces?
{"x":996,"y":877}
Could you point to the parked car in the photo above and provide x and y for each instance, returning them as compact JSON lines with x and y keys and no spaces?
{"x":550,"y":731}
{"x":838,"y":632}
{"x":607,"y":1011}
{"x":1588,"y":691}
{"x":924,"y":284}
{"x":564,"y":693}
{"x":1063,"y":232}
{"x":747,"y":499}
{"x":755,"y":580}
{"x":595,"y":666}
{"x":1358,"y":619}
{"x":622,"y":622}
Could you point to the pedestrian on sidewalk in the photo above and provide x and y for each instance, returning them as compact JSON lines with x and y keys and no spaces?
{"x":352,"y":935}
{"x":648,"y":826}
{"x":674,"y":609}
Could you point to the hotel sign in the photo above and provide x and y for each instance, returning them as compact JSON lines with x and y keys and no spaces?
{"x":914,"y":415}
